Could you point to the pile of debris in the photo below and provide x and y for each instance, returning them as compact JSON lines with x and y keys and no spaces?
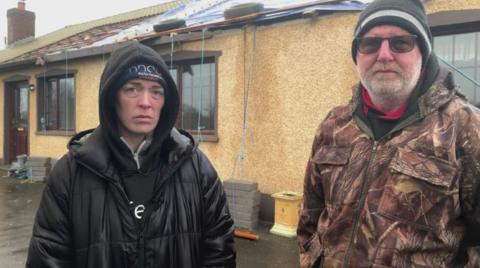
{"x":31,"y":167}
{"x":18,"y":169}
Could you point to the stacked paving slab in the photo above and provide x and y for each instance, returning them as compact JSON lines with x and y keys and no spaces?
{"x":243,"y":201}
{"x":40,"y":167}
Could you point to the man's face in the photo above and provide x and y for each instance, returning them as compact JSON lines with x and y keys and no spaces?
{"x":139,"y":104}
{"x":387,"y":74}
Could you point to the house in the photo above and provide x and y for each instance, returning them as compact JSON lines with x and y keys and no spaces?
{"x":266,"y":79}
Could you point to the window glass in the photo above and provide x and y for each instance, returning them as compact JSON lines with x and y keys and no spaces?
{"x":462,"y":51}
{"x":444,"y":47}
{"x":465,"y":47}
{"x":478,"y":48}
{"x":56,"y":103}
{"x":52,"y":105}
{"x":465,"y":86}
{"x":477,"y":87}
{"x":22,"y":110}
{"x":198,"y":96}
{"x":66,"y":105}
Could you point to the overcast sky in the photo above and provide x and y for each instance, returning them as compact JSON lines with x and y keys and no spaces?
{"x":51,"y":15}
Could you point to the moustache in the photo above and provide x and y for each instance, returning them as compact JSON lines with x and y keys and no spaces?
{"x":385,"y":67}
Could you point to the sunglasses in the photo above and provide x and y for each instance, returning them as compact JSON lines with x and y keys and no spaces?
{"x":397,"y":44}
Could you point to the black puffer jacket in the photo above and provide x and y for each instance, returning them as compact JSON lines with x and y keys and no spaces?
{"x":85,"y":219}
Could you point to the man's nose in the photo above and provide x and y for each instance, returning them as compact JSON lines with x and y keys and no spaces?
{"x":384,"y":52}
{"x":144,"y":100}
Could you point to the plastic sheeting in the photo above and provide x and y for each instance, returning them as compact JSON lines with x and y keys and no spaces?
{"x":210,"y":11}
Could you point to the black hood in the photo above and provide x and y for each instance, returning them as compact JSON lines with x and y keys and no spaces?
{"x":121,"y":59}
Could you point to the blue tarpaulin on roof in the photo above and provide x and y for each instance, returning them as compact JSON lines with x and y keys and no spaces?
{"x":213,"y":11}
{"x":205,"y":12}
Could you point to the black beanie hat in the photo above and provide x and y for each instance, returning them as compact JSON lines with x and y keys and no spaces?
{"x":142,"y":70}
{"x":406,"y":14}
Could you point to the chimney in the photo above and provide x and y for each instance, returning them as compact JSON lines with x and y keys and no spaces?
{"x":21,"y":23}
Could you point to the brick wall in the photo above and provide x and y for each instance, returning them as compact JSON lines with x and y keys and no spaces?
{"x":21,"y":24}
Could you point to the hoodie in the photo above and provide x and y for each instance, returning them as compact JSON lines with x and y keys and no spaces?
{"x":138,"y":170}
{"x":119,"y":61}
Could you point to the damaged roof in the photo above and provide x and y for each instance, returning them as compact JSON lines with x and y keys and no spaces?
{"x":69,"y":32}
{"x":99,"y":36}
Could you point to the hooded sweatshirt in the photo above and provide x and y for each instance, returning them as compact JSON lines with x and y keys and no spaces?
{"x":137,"y":169}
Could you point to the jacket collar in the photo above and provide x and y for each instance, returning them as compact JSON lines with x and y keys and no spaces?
{"x":439,"y":94}
{"x":90,"y":149}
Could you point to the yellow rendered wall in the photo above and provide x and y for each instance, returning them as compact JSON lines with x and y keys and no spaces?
{"x":433,"y":6}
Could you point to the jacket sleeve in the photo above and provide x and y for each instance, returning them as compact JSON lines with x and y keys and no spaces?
{"x":469,"y":149}
{"x":50,"y":242}
{"x":312,"y":206}
{"x":218,"y":228}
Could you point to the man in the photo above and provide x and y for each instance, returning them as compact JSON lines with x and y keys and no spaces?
{"x":135,"y":191}
{"x":393,"y":177}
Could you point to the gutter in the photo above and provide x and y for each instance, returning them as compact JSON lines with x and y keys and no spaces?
{"x":16,"y":65}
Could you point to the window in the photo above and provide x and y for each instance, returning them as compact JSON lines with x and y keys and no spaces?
{"x":196,"y":81}
{"x":462,"y":51}
{"x":457,"y":42}
{"x":56,"y":104}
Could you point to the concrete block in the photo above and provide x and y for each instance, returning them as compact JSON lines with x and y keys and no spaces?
{"x":36,"y":164}
{"x":250,"y":200}
{"x":249,"y":225}
{"x":240,"y":193}
{"x":38,"y":178}
{"x":252,"y":216}
{"x":38,"y":159}
{"x":42,"y":169}
{"x":241,"y":208}
{"x":241,"y":185}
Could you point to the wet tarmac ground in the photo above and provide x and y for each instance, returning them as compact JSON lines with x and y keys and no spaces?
{"x":18,"y":204}
{"x":19,"y":201}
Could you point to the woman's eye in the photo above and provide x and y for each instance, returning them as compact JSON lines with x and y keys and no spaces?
{"x":129,"y":91}
{"x":158,"y":92}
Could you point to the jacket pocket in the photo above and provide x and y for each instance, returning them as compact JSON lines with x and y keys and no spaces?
{"x":332,"y":155}
{"x":419,"y":190}
{"x":330,"y":163}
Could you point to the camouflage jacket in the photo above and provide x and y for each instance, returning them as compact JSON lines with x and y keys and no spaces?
{"x":410,"y":199}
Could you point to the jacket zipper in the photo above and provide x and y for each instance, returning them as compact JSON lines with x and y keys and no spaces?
{"x":148,"y":212}
{"x":140,"y":228}
{"x":141,"y":250}
{"x":361,"y":204}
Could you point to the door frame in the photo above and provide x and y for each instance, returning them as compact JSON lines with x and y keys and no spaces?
{"x":8,"y":87}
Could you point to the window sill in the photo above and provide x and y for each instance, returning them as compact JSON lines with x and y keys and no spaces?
{"x":205,"y":138}
{"x":66,"y":133}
